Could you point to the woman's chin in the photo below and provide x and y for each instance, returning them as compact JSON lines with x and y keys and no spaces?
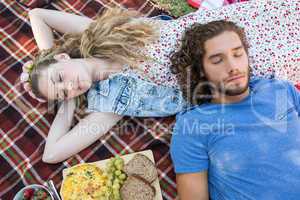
{"x":84,"y":85}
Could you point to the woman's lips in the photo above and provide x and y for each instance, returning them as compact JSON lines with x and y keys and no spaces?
{"x":78,"y":83}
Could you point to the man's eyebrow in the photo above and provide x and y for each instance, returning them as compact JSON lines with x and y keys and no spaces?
{"x":239,"y":47}
{"x":219,"y":54}
{"x":53,"y":85}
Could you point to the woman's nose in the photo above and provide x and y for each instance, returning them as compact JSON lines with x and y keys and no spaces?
{"x":61,"y":86}
{"x":69,"y":85}
{"x":72,"y":89}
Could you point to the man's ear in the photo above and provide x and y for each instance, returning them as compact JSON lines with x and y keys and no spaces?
{"x":61,"y":56}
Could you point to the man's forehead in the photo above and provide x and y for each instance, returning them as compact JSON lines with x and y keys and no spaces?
{"x":225,"y":41}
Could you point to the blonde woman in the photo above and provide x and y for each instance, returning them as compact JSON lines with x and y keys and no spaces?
{"x":92,"y":53}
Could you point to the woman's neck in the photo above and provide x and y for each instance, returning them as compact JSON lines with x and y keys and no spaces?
{"x":100,"y":69}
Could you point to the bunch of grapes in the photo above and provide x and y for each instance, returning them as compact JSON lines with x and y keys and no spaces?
{"x":115,"y":177}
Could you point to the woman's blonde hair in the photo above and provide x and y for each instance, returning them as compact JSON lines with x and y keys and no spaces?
{"x":117,"y":35}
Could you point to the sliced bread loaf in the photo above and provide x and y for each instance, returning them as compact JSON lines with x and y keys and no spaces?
{"x":136,"y":188}
{"x":142,"y":166}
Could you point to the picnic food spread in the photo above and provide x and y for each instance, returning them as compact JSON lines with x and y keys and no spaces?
{"x":130,"y":181}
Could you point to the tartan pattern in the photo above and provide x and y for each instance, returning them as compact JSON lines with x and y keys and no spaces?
{"x":24,"y":122}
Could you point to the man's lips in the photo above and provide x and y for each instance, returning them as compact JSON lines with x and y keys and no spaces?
{"x":235,"y":78}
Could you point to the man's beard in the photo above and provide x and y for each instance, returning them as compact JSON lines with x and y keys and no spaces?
{"x":235,"y":91}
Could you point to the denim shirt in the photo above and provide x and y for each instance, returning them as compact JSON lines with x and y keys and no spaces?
{"x":126,"y":94}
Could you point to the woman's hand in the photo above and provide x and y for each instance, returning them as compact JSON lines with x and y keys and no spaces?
{"x":62,"y":121}
{"x":42,"y":33}
{"x":63,"y":142}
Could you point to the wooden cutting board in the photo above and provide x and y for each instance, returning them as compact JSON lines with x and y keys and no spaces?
{"x":102,"y":163}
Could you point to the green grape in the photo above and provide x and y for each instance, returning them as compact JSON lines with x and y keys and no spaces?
{"x":116,"y":181}
{"x":122,"y":176}
{"x":109,"y":164}
{"x":113,"y":169}
{"x":119,"y":167}
{"x":118,"y":172}
{"x":116,"y":186}
{"x":116,"y":192}
{"x":119,"y":163}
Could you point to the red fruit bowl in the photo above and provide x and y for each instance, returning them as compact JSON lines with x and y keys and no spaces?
{"x":34,"y":191}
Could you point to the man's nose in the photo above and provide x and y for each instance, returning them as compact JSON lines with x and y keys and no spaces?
{"x":232,"y":65}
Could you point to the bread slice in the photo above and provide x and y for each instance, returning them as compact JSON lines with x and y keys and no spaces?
{"x":142,"y":166}
{"x":136,"y":188}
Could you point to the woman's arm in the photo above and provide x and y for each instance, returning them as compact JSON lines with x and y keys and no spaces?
{"x":43,"y":20}
{"x":62,"y":143}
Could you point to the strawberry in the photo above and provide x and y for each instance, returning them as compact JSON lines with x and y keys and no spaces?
{"x":28,"y":193}
{"x":41,"y":194}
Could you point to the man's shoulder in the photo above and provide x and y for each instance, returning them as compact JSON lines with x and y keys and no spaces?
{"x":258,"y":82}
{"x":255,"y":81}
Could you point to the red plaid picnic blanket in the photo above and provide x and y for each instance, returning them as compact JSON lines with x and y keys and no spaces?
{"x":24,"y":122}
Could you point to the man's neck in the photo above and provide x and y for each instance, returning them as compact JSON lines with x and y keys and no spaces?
{"x":225,"y":99}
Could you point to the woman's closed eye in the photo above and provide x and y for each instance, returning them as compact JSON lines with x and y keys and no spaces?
{"x":60,"y":77}
{"x":65,"y":94}
{"x":63,"y":91}
{"x":62,"y":94}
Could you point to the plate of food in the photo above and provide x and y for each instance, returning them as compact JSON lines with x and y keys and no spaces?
{"x":129,"y":177}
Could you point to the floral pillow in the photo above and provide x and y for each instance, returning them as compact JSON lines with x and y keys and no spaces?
{"x":272,"y":29}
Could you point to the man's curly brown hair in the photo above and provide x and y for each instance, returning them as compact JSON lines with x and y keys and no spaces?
{"x":188,"y":60}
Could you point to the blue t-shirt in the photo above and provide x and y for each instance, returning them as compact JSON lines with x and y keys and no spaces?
{"x":251,"y":149}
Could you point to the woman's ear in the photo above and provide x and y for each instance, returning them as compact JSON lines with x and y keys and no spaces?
{"x":61,"y":56}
